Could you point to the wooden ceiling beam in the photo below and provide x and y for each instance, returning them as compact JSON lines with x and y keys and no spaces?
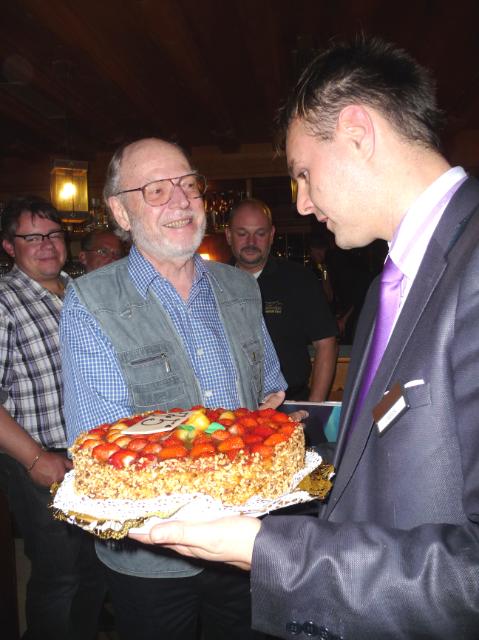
{"x":92,"y":33}
{"x":189,"y":64}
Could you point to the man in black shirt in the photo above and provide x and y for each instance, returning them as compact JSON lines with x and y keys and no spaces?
{"x":295,"y":308}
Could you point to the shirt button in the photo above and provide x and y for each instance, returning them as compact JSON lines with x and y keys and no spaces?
{"x":208,"y":394}
{"x":199,"y":352}
{"x":310,"y":629}
{"x":294,"y":627}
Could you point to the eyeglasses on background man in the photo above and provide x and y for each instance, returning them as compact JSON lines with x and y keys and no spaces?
{"x":105,"y":252}
{"x":36,"y":238}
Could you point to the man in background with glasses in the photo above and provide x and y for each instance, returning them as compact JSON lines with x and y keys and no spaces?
{"x":162,"y":329}
{"x":99,"y":248}
{"x":66,"y":585}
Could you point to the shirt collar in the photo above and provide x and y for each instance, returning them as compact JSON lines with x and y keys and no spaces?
{"x":143,"y":273}
{"x":410,"y":241}
{"x":31,"y":283}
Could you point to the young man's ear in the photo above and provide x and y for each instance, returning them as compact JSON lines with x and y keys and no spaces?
{"x":8,"y":248}
{"x":119,"y":213}
{"x":356,"y":126}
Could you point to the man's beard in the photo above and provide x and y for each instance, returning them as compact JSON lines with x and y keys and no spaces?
{"x":161,"y":247}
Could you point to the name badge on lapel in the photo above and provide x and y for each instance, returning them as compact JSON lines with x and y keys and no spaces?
{"x":393,"y":404}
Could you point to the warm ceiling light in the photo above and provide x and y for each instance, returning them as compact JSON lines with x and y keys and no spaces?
{"x":69,"y":189}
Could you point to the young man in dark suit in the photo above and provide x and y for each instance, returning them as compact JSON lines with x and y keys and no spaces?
{"x":395,"y":551}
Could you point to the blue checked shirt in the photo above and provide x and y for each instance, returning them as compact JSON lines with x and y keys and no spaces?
{"x":94,"y":387}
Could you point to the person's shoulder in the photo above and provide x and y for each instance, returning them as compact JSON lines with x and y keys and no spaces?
{"x":229,"y":271}
{"x":291,"y":269}
{"x":73,"y":305}
{"x":8,"y":289}
{"x":100,"y":275}
{"x":232,"y":278}
{"x":17,"y":288}
{"x":212,"y":265}
{"x":6,"y":281}
{"x":107,"y":270}
{"x":282,"y":264}
{"x":13,"y":278}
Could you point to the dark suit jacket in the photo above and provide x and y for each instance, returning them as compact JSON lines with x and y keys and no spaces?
{"x":395,"y":553}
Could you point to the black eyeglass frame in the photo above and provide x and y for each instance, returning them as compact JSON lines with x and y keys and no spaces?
{"x":42,"y":236}
{"x":158,"y":204}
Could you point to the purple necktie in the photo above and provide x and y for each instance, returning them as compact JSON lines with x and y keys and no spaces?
{"x":389,"y":299}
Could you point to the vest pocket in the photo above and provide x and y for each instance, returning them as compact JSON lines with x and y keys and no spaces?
{"x":165,"y":393}
{"x":154,"y":359}
{"x":154,"y":376}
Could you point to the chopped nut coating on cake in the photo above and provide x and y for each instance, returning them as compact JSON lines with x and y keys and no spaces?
{"x":229,"y":455}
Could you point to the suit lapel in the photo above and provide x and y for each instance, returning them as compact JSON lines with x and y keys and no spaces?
{"x":429,"y":275}
{"x":360,"y":350}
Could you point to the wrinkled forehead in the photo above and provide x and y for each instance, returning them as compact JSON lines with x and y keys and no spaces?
{"x":152,"y":160}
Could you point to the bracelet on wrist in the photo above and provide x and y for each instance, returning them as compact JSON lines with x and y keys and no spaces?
{"x":34,"y":461}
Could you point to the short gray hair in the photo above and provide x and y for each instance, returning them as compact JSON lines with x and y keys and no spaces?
{"x":112,"y":180}
{"x":111,"y":188}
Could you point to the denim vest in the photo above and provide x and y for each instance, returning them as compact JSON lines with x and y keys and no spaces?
{"x":158,"y":371}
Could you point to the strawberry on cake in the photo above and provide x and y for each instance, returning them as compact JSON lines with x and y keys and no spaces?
{"x":229,"y":455}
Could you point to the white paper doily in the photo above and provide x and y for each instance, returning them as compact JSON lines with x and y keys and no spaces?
{"x":100,"y":516}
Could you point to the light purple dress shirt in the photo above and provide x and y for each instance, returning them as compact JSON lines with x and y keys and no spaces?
{"x":410,"y":241}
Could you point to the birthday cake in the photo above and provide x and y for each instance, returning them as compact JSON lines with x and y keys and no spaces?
{"x":228,"y":455}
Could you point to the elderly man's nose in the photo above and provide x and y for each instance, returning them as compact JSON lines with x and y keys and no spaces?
{"x":178,"y":197}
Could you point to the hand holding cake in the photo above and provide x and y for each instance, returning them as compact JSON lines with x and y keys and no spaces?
{"x":229,"y":540}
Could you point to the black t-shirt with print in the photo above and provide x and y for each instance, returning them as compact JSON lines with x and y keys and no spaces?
{"x":296,"y":313}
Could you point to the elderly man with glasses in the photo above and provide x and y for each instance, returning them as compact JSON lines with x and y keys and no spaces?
{"x":159,"y":329}
{"x":99,"y":248}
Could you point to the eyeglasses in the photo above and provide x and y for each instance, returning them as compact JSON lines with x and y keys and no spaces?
{"x":104,"y":252}
{"x":161,"y":191}
{"x":37,"y":238}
